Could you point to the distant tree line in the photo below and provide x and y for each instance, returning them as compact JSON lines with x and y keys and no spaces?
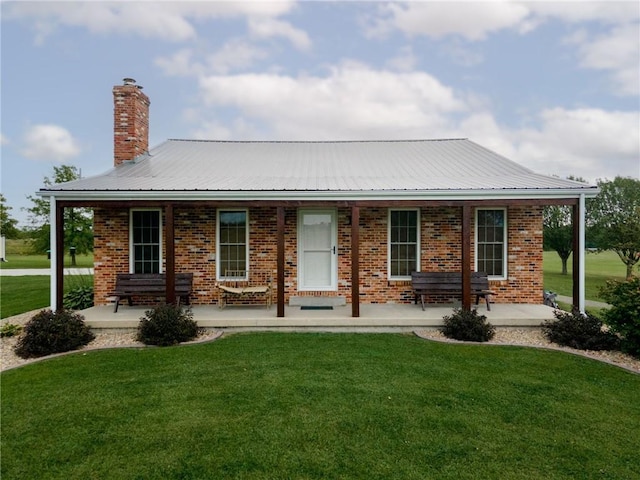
{"x":612,"y":223}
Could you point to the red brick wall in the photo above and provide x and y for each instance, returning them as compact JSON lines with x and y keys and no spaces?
{"x":195,"y":232}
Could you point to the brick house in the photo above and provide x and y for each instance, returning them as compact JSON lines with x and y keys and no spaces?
{"x":343,"y":222}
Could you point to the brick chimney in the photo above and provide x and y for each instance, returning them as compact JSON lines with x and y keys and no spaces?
{"x":130,"y":121}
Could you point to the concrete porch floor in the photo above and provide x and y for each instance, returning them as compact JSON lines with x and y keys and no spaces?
{"x":393,"y":316}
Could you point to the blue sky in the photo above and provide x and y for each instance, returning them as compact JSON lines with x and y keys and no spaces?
{"x":554,"y":86}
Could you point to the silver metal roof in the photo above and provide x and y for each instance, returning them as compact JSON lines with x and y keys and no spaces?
{"x":353,"y":169}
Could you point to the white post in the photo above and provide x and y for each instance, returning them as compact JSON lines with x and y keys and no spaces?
{"x":3,"y":249}
{"x":52,"y":248}
{"x":581,"y":255}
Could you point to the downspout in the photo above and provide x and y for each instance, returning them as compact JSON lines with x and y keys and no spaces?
{"x":581,"y":254}
{"x":53,"y":253}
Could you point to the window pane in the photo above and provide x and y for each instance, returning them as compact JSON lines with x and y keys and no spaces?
{"x":403,"y":242}
{"x":491,"y":237}
{"x":145,"y":233}
{"x":232,"y":240}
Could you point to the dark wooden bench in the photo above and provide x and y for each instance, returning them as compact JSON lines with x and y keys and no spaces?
{"x":433,"y":283}
{"x":149,"y":284}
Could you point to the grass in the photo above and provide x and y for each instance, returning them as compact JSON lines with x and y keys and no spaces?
{"x":282,"y":405}
{"x":19,"y":255}
{"x":599,"y":267}
{"x":31,"y":292}
{"x":41,"y":261}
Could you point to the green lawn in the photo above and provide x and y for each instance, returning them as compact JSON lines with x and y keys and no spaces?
{"x":41,"y":261}
{"x":599,"y":267}
{"x":26,"y":293}
{"x":284,"y":405}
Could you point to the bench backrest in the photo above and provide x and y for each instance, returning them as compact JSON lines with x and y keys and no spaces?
{"x":237,"y":278}
{"x":152,"y":281}
{"x":442,"y":281}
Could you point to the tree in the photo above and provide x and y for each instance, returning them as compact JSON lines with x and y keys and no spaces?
{"x":78,"y":222}
{"x":558,"y":229}
{"x":614,"y":219}
{"x":8,"y":225}
{"x":558,"y":232}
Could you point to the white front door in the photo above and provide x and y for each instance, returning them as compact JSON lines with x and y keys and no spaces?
{"x":317,"y":245}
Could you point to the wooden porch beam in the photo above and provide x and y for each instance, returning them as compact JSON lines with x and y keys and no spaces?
{"x":170,"y":254}
{"x":466,"y":257}
{"x":280,"y":260}
{"x":355,"y":261}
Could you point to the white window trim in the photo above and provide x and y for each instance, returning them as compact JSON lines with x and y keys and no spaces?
{"x":505,"y":267}
{"x":219,"y":275}
{"x":131,"y":249}
{"x":418,"y":246}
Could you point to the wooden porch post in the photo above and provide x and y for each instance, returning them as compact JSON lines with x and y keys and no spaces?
{"x":280,"y":260}
{"x":466,"y":257}
{"x":59,"y":256}
{"x":170,"y":255}
{"x":355,"y":261}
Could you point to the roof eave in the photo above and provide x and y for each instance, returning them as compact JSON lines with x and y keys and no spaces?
{"x":328,"y":195}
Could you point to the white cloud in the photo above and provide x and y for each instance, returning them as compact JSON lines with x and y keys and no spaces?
{"x":404,"y":61}
{"x":591,"y":143}
{"x":471,"y":20}
{"x":266,"y":27}
{"x":4,"y":140}
{"x":617,"y":51}
{"x":608,"y":12}
{"x":234,"y":55}
{"x":352,"y":102}
{"x":170,"y":21}
{"x":180,"y":64}
{"x":49,"y":142}
{"x":475,"y":20}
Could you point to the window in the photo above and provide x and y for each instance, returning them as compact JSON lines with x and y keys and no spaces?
{"x":491,"y":242}
{"x":146,"y":241}
{"x":404,"y":243}
{"x":232,"y":241}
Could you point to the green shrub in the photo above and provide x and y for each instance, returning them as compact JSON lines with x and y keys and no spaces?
{"x":167,"y":325}
{"x":467,"y":325}
{"x":624,"y":315}
{"x":575,"y":330}
{"x":9,"y":330}
{"x":79,"y":298}
{"x":53,"y":332}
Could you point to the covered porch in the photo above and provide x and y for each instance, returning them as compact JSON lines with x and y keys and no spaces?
{"x":374,"y":316}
